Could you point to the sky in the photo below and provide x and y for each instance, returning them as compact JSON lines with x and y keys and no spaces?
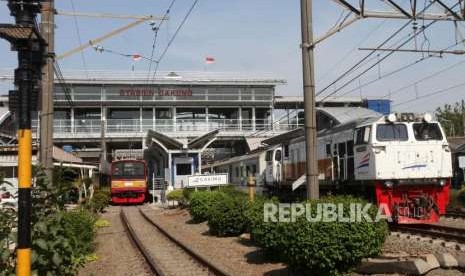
{"x":263,"y":36}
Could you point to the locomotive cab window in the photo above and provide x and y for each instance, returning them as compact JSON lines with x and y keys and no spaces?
{"x":362,"y":135}
{"x":427,"y":131}
{"x":391,"y":132}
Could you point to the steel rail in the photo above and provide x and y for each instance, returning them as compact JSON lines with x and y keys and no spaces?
{"x":195,"y":255}
{"x":139,"y":244}
{"x":432,"y":230}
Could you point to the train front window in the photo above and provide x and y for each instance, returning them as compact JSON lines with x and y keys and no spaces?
{"x":128,"y":170}
{"x":391,"y":132}
{"x":427,"y":131}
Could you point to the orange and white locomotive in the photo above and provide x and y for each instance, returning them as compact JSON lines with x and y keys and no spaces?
{"x":400,"y":160}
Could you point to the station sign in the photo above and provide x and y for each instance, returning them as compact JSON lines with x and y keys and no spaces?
{"x":462,"y":162}
{"x":164,"y":92}
{"x":207,"y":180}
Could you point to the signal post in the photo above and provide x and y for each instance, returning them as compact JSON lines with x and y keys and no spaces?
{"x":27,"y":41}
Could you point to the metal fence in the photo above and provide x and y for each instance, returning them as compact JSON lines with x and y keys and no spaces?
{"x":118,"y":126}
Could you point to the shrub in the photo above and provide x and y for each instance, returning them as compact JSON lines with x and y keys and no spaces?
{"x":177,"y":195}
{"x":200,"y":204}
{"x":331,"y":248}
{"x":227,"y":215}
{"x":99,"y":201}
{"x":79,"y":229}
{"x":461,"y":196}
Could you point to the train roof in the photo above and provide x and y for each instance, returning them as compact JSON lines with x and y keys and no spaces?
{"x":235,"y":159}
{"x":345,"y":117}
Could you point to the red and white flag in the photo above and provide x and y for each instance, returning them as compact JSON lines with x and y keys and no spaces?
{"x":136,"y":57}
{"x":209,"y":60}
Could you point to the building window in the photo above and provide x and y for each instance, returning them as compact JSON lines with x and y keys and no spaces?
{"x":183,"y":169}
{"x":124,"y":114}
{"x":163,"y":113}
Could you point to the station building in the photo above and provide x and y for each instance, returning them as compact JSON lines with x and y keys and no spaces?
{"x":101,"y":113}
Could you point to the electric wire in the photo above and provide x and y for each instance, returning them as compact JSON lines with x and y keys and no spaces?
{"x":393,"y":72}
{"x":156,"y":29}
{"x":441,"y":91}
{"x":173,"y":37}
{"x":76,"y":25}
{"x":373,"y":65}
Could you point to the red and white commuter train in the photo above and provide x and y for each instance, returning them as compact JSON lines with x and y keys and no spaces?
{"x":401,"y":160}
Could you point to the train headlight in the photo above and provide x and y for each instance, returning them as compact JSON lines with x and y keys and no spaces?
{"x":442,"y":182}
{"x":391,"y":118}
{"x":427,"y":117}
{"x":389,"y":183}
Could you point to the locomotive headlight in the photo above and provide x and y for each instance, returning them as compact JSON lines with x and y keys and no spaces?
{"x":389,"y":183}
{"x":391,"y":118}
{"x":427,"y":117}
{"x":442,"y":182}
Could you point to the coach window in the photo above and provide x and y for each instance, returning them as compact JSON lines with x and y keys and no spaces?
{"x":328,"y":149}
{"x":277,"y":156}
{"x":286,"y":151}
{"x":391,"y":132}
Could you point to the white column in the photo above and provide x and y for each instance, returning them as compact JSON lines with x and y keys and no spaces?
{"x":206,"y":118}
{"x":174,"y":119}
{"x":72,"y":120}
{"x":240,"y":118}
{"x":253,"y":119}
{"x":153,"y":118}
{"x":140,"y":119}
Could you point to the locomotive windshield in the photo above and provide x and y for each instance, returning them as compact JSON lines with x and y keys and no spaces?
{"x":427,"y":131}
{"x":128,"y":170}
{"x":391,"y":132}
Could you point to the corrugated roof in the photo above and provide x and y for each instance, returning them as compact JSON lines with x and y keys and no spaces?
{"x":347,"y":114}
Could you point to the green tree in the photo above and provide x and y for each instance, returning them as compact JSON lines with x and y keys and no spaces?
{"x":451,"y":118}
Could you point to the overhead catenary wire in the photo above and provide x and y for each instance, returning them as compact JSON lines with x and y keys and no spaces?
{"x":78,"y":33}
{"x":155,"y":36}
{"x":437,"y":92}
{"x":393,"y":72}
{"x":173,"y":37}
{"x":373,"y":65}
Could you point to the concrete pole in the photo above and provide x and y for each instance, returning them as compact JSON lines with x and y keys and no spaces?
{"x":309,"y":99}
{"x":47,"y":29}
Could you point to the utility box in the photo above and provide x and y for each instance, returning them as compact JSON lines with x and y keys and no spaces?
{"x":382,"y":106}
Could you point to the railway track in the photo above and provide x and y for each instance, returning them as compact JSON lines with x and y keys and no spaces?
{"x":165,"y":255}
{"x":433,"y":231}
{"x":455,"y":214}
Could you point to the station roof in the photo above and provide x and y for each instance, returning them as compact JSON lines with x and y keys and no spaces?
{"x":167,"y":77}
{"x":169,"y":143}
{"x":4,"y":113}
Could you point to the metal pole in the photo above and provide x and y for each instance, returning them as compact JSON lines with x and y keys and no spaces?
{"x":47,"y":28}
{"x":309,"y":98}
{"x":463,"y":117}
